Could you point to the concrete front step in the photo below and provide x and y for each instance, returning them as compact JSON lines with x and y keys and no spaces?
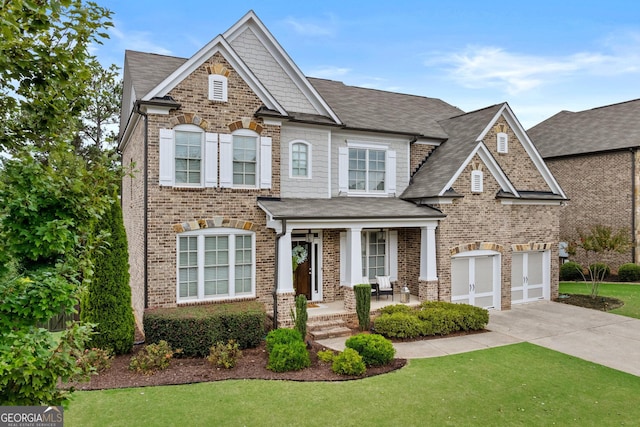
{"x":325,"y":329}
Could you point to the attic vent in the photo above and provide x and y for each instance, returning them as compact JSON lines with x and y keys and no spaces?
{"x":476,"y":181}
{"x":217,"y":88}
{"x":503,"y":142}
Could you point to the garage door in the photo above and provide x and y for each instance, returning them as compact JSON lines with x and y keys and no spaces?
{"x":475,"y":280}
{"x":530,"y":276}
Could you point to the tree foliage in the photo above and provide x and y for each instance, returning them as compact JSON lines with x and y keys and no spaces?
{"x":596,"y":243}
{"x":107,"y":301}
{"x":45,"y":68}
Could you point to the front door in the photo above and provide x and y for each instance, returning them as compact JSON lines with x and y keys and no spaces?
{"x":302,"y":274}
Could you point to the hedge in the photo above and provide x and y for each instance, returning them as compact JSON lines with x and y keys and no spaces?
{"x":195,"y":329}
{"x":629,"y":272}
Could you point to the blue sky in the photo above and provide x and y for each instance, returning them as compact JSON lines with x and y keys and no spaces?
{"x":539,"y":56}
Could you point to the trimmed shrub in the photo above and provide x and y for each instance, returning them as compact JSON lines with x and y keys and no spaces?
{"x":292,"y":356}
{"x":195,"y":329}
{"x":396,"y":308}
{"x":629,"y":272}
{"x":398,"y":325}
{"x":570,"y":271}
{"x":153,"y":357}
{"x":375,"y":349}
{"x":224,"y":355}
{"x":107,"y":301}
{"x":348,"y":362}
{"x":363,"y":305}
{"x":438,"y":320}
{"x":326,"y":356}
{"x":600,"y":269}
{"x":446,"y":317}
{"x":301,"y":315}
{"x":282,"y":336}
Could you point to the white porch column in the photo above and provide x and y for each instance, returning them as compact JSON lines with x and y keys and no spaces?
{"x":285,"y":267}
{"x":428,"y":270}
{"x":354,"y":256}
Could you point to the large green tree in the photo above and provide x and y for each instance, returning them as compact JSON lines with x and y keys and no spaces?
{"x":50,"y":198}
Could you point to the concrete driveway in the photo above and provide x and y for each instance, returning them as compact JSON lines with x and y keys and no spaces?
{"x":607,"y":339}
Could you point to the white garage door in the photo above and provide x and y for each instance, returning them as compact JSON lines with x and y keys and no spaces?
{"x":475,"y":280}
{"x":530,"y":276}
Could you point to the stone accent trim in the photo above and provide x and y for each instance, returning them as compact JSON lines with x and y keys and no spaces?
{"x":246,"y":123}
{"x":215,"y":222}
{"x":532,"y":246}
{"x":476,"y":246}
{"x":476,"y":166}
{"x":218,"y":69}
{"x":190,"y":119}
{"x":500,"y":128}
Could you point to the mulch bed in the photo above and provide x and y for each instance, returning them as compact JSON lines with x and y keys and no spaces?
{"x":599,"y":303}
{"x":252,"y":365}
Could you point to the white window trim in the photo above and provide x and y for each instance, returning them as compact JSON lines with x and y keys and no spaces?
{"x":502,"y":148}
{"x":263,"y":160}
{"x":477,"y":181}
{"x":291,"y":144}
{"x":390,"y":168}
{"x":201,"y":234}
{"x":217,"y":78}
{"x":208,"y":157}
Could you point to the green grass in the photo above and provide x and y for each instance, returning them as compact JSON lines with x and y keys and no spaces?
{"x":627,"y":292}
{"x":515,"y":385}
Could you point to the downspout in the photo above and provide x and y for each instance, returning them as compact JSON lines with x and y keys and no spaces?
{"x":275,"y":280}
{"x":633,"y":204}
{"x":144,"y":204}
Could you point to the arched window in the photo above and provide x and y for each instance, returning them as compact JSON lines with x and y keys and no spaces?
{"x":300,"y":164}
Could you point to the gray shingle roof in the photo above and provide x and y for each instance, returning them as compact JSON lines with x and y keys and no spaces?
{"x":148,"y":70}
{"x":611,"y":127}
{"x":347,"y":208}
{"x":446,"y":159}
{"x":370,"y":109}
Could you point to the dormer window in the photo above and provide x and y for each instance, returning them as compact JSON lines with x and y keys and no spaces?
{"x":503,"y":142}
{"x":217,"y":88}
{"x":476,"y":181}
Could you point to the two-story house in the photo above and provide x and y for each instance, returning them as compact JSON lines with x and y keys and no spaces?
{"x":253,"y":181}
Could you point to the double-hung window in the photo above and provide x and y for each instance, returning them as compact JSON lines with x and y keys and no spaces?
{"x":215,"y":264}
{"x":188,"y":158}
{"x":245,"y":158}
{"x":374,"y":254}
{"x":367,"y":170}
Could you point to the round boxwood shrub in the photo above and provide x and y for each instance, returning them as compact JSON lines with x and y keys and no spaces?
{"x":629,"y":272}
{"x":398,"y":325}
{"x":375,"y":349}
{"x":282,"y":336}
{"x":570,"y":271}
{"x":292,"y":356}
{"x":349,"y":362}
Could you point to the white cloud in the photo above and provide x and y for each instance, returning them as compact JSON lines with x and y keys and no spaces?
{"x":514,"y":73}
{"x":314,"y":29}
{"x":136,"y":40}
{"x":329,"y":72}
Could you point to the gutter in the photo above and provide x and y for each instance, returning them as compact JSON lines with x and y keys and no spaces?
{"x":145,"y":202}
{"x":275,"y":280}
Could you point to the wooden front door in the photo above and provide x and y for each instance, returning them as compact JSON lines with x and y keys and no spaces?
{"x":301,"y":253}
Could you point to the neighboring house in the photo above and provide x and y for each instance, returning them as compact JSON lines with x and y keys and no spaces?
{"x":245,"y":168}
{"x":594,"y":155}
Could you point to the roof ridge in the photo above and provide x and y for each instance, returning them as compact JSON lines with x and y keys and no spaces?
{"x":611,"y":105}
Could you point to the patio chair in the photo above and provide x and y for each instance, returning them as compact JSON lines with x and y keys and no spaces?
{"x":383,"y":286}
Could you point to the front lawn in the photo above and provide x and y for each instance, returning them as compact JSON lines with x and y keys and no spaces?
{"x":520,"y":384}
{"x":627,"y":292}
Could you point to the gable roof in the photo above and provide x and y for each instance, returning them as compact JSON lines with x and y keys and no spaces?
{"x":370,"y":109}
{"x":567,"y":133}
{"x":147,"y":70}
{"x":466,"y":133}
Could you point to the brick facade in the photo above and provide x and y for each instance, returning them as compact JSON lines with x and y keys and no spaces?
{"x":599,"y":190}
